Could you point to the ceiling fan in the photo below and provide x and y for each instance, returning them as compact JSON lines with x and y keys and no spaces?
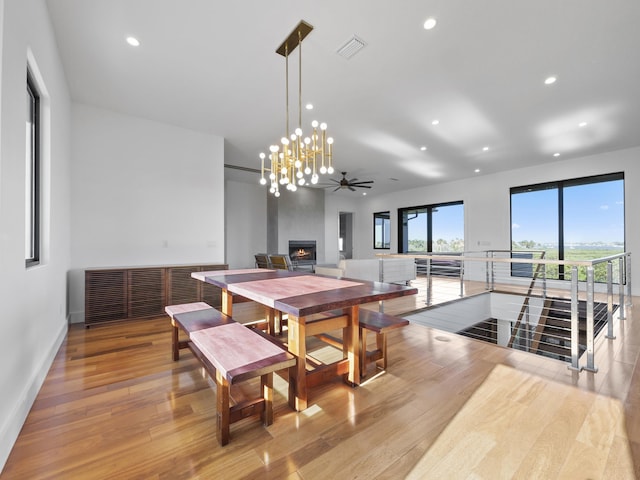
{"x":350,"y":184}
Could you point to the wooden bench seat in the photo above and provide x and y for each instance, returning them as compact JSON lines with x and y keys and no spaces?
{"x":380,"y":323}
{"x":193,"y":317}
{"x":232,"y":353}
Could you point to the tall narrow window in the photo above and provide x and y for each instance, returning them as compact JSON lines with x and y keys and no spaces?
{"x":381,"y":230}
{"x":32,"y":176}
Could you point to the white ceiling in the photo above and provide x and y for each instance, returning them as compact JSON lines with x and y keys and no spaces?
{"x":211,"y":65}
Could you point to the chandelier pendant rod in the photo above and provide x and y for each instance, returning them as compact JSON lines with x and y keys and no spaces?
{"x":286,"y":83}
{"x":289,"y":165}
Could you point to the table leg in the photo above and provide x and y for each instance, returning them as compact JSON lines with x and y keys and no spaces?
{"x":297,"y":374}
{"x":353,"y":345}
{"x":270,"y":315}
{"x":227,"y":302}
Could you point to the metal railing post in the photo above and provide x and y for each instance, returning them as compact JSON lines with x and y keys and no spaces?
{"x":486,"y":270}
{"x":381,"y":279}
{"x":527,"y":330}
{"x":544,"y":281}
{"x":627,"y":277}
{"x":429,"y":283}
{"x":461,"y":278}
{"x":590,"y":353}
{"x":610,"y":334}
{"x":493,"y":274}
{"x":621,"y":299}
{"x":575,"y":332}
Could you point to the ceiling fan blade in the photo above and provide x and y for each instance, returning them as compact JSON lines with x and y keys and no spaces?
{"x":334,"y":180}
{"x":351,"y":188}
{"x":362,"y":186}
{"x":352,"y":180}
{"x":337,"y":189}
{"x":360,"y":183}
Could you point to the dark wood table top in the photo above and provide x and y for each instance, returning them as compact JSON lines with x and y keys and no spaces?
{"x":299,"y":293}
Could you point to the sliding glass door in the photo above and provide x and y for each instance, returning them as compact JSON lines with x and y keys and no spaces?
{"x":579,"y":219}
{"x":431,"y":228}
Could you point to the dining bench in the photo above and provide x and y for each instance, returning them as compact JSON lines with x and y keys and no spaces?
{"x":231,"y":353}
{"x":368,"y":320}
{"x":380,"y":323}
{"x":201,"y":316}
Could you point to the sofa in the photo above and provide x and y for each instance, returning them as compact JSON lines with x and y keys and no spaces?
{"x":389,"y":270}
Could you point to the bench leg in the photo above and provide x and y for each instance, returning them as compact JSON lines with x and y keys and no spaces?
{"x":363,"y":352}
{"x":266,"y":386}
{"x":222,"y":414}
{"x":175,"y":342}
{"x":381,"y":340}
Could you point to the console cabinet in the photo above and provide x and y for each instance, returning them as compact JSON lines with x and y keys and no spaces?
{"x":117,"y":294}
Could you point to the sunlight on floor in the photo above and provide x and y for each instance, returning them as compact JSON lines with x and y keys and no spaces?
{"x":517,"y":425}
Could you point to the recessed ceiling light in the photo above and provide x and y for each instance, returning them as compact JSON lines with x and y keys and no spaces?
{"x":423,"y":148}
{"x":485,"y":149}
{"x":550,"y":80}
{"x":429,"y":23}
{"x":582,"y":124}
{"x":557,"y":154}
{"x":309,"y":106}
{"x":364,"y":193}
{"x":435,"y":122}
{"x":477,"y":170}
{"x":133,"y":41}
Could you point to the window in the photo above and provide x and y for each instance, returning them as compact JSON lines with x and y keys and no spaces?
{"x":381,"y":230}
{"x":579,"y":219}
{"x":431,"y":228}
{"x":32,"y":177}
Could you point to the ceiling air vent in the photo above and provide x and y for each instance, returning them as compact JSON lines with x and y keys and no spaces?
{"x":351,"y":47}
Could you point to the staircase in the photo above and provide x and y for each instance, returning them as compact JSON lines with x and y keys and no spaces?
{"x":552,"y":336}
{"x":487,"y":331}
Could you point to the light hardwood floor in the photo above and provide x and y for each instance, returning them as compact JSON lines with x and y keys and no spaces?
{"x":114,"y":405}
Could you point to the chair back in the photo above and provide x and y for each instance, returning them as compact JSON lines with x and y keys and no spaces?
{"x":281,"y":262}
{"x":262,"y":260}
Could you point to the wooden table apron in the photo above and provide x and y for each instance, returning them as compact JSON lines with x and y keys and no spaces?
{"x":301,"y":294}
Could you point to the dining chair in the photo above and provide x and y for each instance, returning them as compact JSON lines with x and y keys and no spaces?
{"x":262,"y":260}
{"x":281,"y":262}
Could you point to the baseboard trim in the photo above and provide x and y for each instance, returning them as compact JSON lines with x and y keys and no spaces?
{"x":10,"y":429}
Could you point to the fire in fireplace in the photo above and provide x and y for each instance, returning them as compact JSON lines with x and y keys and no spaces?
{"x":303,"y":252}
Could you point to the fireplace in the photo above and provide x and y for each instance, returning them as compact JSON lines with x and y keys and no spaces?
{"x":302,"y":252}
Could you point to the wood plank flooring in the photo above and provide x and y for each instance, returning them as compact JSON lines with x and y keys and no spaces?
{"x":114,"y":405}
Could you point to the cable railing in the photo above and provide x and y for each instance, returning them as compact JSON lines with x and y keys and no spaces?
{"x":554,"y":308}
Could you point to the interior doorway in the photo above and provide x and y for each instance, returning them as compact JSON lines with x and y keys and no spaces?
{"x":345,"y":235}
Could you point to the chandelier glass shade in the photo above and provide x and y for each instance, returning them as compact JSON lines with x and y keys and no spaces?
{"x":297,"y":159}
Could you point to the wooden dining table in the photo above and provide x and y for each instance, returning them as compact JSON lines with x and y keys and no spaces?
{"x":304,"y":296}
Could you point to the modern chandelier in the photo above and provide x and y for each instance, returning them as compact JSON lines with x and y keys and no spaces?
{"x":294,"y":161}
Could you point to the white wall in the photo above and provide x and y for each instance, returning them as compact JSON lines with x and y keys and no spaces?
{"x":143,"y":193}
{"x":33,"y":320}
{"x":245,"y":222}
{"x":487,"y":203}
